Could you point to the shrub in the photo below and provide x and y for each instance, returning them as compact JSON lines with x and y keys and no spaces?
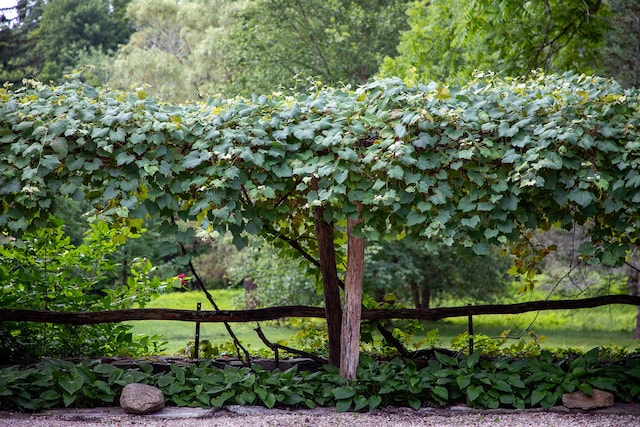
{"x":44,"y":271}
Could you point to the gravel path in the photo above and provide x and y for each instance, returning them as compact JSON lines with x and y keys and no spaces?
{"x":260,"y":417}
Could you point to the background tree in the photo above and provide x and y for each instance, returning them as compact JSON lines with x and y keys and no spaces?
{"x":417,"y":273}
{"x":280,"y":280}
{"x":449,"y":40}
{"x":72,"y":26}
{"x":176,"y":48}
{"x":621,"y":53}
{"x":280,"y":43}
{"x":18,"y":39}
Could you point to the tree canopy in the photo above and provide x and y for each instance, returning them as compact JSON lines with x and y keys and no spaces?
{"x":449,"y":40}
{"x":176,"y":50}
{"x":283,"y":42}
{"x":471,"y":165}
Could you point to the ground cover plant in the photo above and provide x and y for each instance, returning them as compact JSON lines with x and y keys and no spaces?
{"x":443,"y":380}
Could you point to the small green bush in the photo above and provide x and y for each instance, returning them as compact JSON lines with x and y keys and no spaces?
{"x":45,"y":271}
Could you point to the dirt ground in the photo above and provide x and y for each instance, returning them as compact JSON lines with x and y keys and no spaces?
{"x":621,"y":415}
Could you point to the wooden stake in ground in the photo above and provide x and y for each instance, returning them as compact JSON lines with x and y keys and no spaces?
{"x":350,"y":337}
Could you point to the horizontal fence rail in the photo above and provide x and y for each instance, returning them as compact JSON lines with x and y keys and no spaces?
{"x":273,"y":313}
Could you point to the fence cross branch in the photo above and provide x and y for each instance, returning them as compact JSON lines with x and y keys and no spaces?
{"x":272,"y":313}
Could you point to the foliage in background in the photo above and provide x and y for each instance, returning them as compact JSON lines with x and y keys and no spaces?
{"x":49,"y":37}
{"x":417,"y":274}
{"x":176,"y":53}
{"x":17,"y":44}
{"x":217,"y":258}
{"x":44,"y":271}
{"x":280,"y":43}
{"x":620,"y":53}
{"x":449,"y":40}
{"x":564,"y":273}
{"x":280,"y":280}
{"x":473,"y":380}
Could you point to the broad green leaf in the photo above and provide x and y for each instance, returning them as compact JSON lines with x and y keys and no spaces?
{"x":473,"y":392}
{"x":71,"y":384}
{"x":343,"y":392}
{"x":581,"y":197}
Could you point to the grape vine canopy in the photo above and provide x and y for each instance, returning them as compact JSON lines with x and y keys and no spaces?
{"x":476,"y":164}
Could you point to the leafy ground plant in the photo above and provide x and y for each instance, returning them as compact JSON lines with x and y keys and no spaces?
{"x":475,"y":380}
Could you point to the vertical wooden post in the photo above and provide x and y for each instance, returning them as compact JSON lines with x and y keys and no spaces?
{"x":470,"y":331}
{"x":352,"y":312}
{"x":330,"y":281}
{"x":197,"y":338}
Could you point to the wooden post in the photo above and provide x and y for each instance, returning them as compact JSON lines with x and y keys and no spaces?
{"x":330,"y":282}
{"x":352,"y":312}
{"x":197,"y":338}
{"x":470,"y":318}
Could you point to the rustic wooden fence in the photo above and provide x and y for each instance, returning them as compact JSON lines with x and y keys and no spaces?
{"x":273,"y":313}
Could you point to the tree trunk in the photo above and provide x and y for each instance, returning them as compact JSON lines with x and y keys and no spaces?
{"x":330,"y":283}
{"x":352,"y":302}
{"x":415,"y":295}
{"x":426,"y":298}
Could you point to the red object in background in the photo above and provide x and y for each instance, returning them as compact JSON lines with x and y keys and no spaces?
{"x":182,"y":278}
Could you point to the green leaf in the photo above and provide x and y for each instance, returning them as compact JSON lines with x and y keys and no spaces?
{"x":13,"y":186}
{"x":282,"y":170}
{"x":581,"y":197}
{"x":414,"y":403}
{"x":396,"y":172}
{"x":49,"y":395}
{"x":360,"y":402}
{"x":165,"y":380}
{"x":415,"y":218}
{"x":269,"y":400}
{"x":219,"y":401}
{"x":195,"y":158}
{"x":474,"y":392}
{"x":99,"y":133}
{"x":343,"y":392}
{"x":124,"y":158}
{"x":71,"y":384}
{"x":50,"y":161}
{"x":538,"y":395}
{"x":343,"y":405}
{"x":446,"y":360}
{"x":374,"y":402}
{"x":441,"y":392}
{"x":470,"y":222}
{"x":463,"y":381}
{"x":68,"y":399}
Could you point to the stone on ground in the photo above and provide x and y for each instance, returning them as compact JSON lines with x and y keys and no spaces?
{"x":141,"y":399}
{"x":579,"y":400}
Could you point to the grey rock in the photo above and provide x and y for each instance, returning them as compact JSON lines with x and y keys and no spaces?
{"x":141,"y":399}
{"x":579,"y":400}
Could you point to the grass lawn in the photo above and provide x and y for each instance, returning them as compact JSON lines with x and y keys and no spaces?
{"x":178,"y":334}
{"x":584,"y":329}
